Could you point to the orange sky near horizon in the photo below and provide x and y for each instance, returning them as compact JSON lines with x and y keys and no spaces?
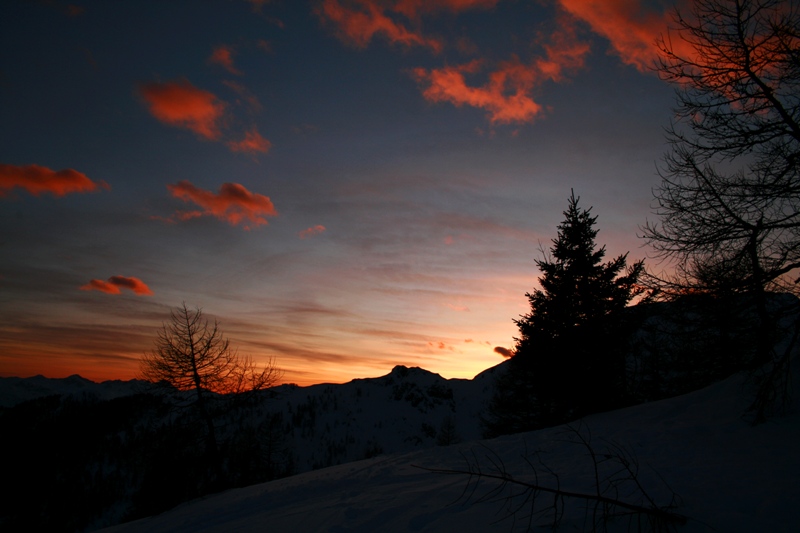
{"x":345,"y":185}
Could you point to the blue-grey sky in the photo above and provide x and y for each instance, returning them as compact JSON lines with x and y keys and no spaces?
{"x":346,"y":185}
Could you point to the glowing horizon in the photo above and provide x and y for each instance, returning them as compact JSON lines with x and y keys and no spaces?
{"x":345,"y":186}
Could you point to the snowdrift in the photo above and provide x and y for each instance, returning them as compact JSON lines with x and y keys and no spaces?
{"x":727,"y":474}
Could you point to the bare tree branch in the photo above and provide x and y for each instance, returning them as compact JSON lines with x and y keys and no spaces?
{"x":618,"y":491}
{"x":728,"y":205}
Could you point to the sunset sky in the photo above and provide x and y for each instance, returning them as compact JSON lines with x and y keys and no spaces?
{"x":346,"y":185}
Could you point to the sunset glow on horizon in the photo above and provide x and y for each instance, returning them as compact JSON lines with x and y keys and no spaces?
{"x":345,"y":185}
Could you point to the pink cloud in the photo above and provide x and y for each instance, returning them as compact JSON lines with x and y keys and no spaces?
{"x":39,"y":180}
{"x":631,"y":29}
{"x":361,"y":20}
{"x":358,"y":21}
{"x":313,"y":230}
{"x":233,"y":204}
{"x":252,"y":143}
{"x":507,"y":96}
{"x":181,"y":104}
{"x":564,"y":52}
{"x":115,"y":283}
{"x":222,"y":55}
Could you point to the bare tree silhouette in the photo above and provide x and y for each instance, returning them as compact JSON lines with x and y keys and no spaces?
{"x":191,"y":354}
{"x":729,"y":199}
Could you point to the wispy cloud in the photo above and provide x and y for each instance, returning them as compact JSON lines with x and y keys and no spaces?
{"x":244,"y":94}
{"x":313,"y":230}
{"x":222,"y":55}
{"x":264,"y":46}
{"x":463,"y":226}
{"x":233,"y":204}
{"x":181,"y":104}
{"x":258,"y":4}
{"x":361,"y":20}
{"x":507,"y":95}
{"x":629,"y":26}
{"x":564,"y":53}
{"x":414,"y":8}
{"x":38,"y":180}
{"x":252,"y":143}
{"x":116,"y":283}
{"x":358,"y":21}
{"x":58,"y":347}
{"x":441,"y":345}
{"x":506,"y":90}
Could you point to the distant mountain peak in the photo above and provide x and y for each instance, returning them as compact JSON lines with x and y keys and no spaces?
{"x":403,"y":371}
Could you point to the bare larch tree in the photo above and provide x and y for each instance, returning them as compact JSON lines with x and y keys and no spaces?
{"x":729,"y":200}
{"x":192,"y":354}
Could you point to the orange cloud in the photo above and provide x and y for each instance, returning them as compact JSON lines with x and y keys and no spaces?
{"x":115,"y":283}
{"x":563,"y":52}
{"x":252,"y":143}
{"x":38,"y":180}
{"x":223,"y":56}
{"x":181,"y":104}
{"x":361,"y":20}
{"x":631,"y":30}
{"x":310,"y":232}
{"x":439,"y":345}
{"x":233,"y":204}
{"x":507,"y":95}
{"x":358,"y":21}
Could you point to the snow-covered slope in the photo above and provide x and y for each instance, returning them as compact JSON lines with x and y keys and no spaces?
{"x":324,"y":425}
{"x":409,"y":408}
{"x":729,"y":475}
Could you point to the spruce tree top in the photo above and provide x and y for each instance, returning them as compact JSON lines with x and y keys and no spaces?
{"x":576,"y":287}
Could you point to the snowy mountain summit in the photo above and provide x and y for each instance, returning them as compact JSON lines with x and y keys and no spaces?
{"x":406,"y":409}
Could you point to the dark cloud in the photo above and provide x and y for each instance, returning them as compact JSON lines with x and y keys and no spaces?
{"x":505,"y":352}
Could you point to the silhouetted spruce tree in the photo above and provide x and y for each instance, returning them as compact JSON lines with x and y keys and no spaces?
{"x":569,"y":359}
